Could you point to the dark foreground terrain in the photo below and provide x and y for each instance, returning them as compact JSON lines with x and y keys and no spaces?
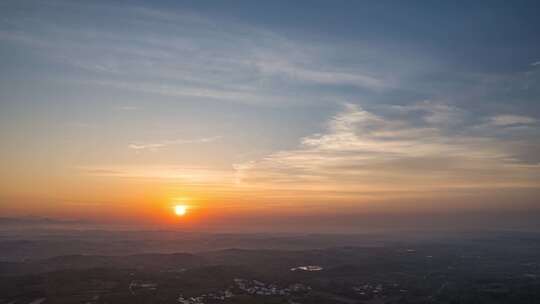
{"x":489,"y":268}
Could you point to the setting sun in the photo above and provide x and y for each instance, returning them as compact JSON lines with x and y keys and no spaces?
{"x":180,"y":210}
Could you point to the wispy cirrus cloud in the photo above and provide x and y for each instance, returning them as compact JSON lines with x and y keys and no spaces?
{"x":139,"y":146}
{"x":194,"y":57}
{"x":184,"y":175}
{"x":126,"y":108}
{"x":510,"y":120}
{"x":279,"y":67}
{"x":434,"y":112}
{"x":361,"y":152}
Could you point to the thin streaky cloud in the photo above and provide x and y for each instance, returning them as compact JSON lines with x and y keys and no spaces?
{"x":432,"y":112}
{"x":203,"y":59}
{"x":319,"y":76}
{"x":188,"y":175}
{"x":166,"y":143}
{"x":362,"y":150}
{"x":126,"y":108}
{"x":510,"y":120}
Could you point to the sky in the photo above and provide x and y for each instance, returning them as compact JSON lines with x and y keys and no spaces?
{"x":270,"y":114}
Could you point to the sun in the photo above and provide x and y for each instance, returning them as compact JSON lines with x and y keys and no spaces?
{"x":180,"y":210}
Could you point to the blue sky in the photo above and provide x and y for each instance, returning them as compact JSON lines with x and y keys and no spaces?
{"x":272,"y":97}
